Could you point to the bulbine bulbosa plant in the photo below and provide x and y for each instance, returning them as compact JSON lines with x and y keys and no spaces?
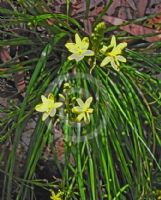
{"x":100,"y":95}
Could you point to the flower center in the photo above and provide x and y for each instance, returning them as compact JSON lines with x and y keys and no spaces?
{"x":85,"y":110}
{"x":50,"y":106}
{"x":80,"y":51}
{"x":113,"y":54}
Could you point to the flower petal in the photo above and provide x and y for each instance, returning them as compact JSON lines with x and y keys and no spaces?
{"x":88,"y":102}
{"x":57,"y":104}
{"x":90,"y":110}
{"x":114,"y":65}
{"x":72,"y":57}
{"x":117,"y":61}
{"x":44,"y":99}
{"x":56,"y":196}
{"x":45,"y":116}
{"x":52,"y":112}
{"x":52,"y":197}
{"x":115,"y":52}
{"x":78,"y":41}
{"x":80,"y":102}
{"x":121,"y":58}
{"x":80,"y":57}
{"x":41,"y":107}
{"x":72,"y":47}
{"x":87,"y":118}
{"x":113,"y":41}
{"x":80,"y":117}
{"x":122,"y":45}
{"x":77,"y":110}
{"x":105,"y":61}
{"x":76,"y":57}
{"x":88,"y":53}
{"x":119,"y":48}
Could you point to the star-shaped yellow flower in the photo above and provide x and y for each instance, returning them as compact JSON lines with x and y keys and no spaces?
{"x":83,"y":110}
{"x":79,"y":49}
{"x":114,"y":57}
{"x":48,"y":106}
{"x":56,"y":196}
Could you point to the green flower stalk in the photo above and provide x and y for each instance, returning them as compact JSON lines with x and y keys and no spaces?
{"x":79,"y":49}
{"x":114,"y":57}
{"x":83,"y":110}
{"x":48,"y":106}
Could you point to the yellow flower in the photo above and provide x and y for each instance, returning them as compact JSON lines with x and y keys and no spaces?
{"x":114,"y":57}
{"x":56,"y":196}
{"x":79,"y":49}
{"x":83,"y":110}
{"x":48,"y":106}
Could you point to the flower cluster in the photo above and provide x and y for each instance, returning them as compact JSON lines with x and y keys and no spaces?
{"x":112,"y":52}
{"x":48,"y":108}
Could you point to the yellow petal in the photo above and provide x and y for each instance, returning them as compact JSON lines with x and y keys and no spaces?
{"x":114,"y":65}
{"x":72,"y":47}
{"x":44,"y":99}
{"x":119,"y":48}
{"x":80,"y":102}
{"x":90,"y":110}
{"x":71,"y":57}
{"x":77,"y":110}
{"x":55,"y":196}
{"x":117,"y":61}
{"x":45,"y":116}
{"x":80,"y":57}
{"x":122,"y":45}
{"x":105,"y":61}
{"x":115,"y":52}
{"x":113,"y":41}
{"x":52,"y":194}
{"x":80,"y":117}
{"x":76,"y":57}
{"x":41,"y":107}
{"x":88,"y":102}
{"x":57,"y":104}
{"x":77,"y":39}
{"x":121,"y":58}
{"x":87,"y":118}
{"x":52,"y":112}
